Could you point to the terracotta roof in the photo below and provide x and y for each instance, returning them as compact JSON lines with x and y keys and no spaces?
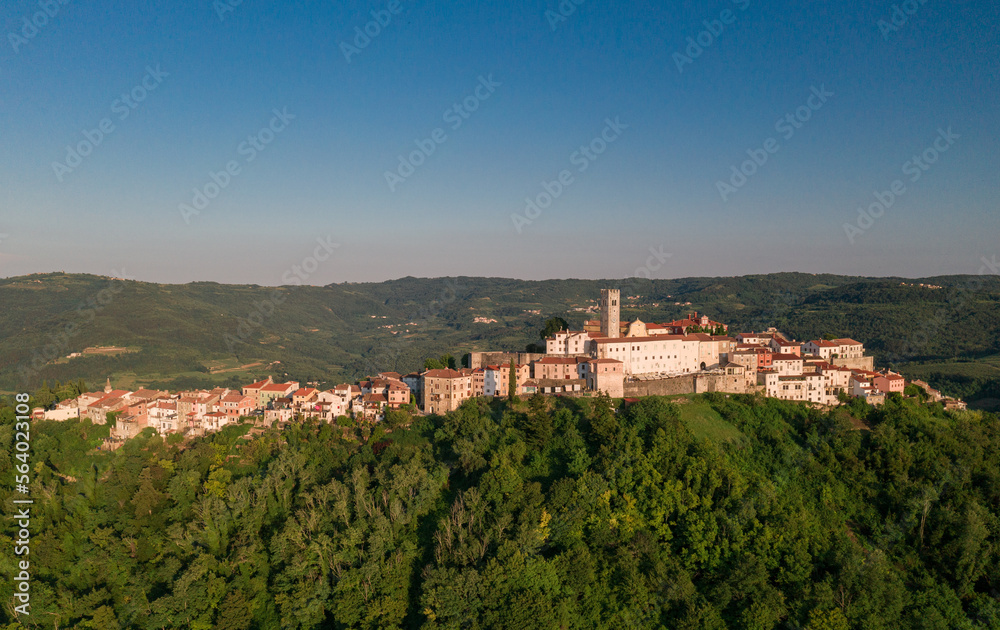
{"x":606,"y":340}
{"x":442,"y":374}
{"x":786,"y":357}
{"x":823,"y":343}
{"x":276,"y":387}
{"x":148,"y":394}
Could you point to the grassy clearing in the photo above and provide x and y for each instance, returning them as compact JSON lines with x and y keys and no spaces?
{"x":706,"y":423}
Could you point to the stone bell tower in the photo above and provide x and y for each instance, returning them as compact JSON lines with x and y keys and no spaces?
{"x":611,"y":313}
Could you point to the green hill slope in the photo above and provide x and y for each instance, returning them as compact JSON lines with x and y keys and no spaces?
{"x":204,"y":333}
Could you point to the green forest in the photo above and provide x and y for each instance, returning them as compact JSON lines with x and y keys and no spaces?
{"x":549,"y":513}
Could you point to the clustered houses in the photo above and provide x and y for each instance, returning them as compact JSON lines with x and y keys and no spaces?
{"x":608,"y":353}
{"x":603,"y":357}
{"x":206,"y":411}
{"x":816,"y":371}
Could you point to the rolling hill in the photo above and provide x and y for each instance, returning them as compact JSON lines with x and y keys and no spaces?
{"x":202,"y":334}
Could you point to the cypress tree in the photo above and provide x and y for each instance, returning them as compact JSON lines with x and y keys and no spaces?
{"x":512,"y":382}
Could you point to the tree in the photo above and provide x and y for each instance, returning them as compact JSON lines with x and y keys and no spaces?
{"x":344,"y":421}
{"x":395,"y":418}
{"x":538,"y":427}
{"x":832,"y":619}
{"x":446,"y":362}
{"x":512,"y":382}
{"x":916,"y":391}
{"x":554,"y":325}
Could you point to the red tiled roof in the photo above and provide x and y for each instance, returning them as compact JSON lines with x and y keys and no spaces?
{"x":605,"y":340}
{"x":785,"y":342}
{"x":446,"y":373}
{"x":276,"y":387}
{"x":822,"y":343}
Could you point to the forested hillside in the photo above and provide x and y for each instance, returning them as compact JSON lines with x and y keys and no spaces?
{"x":555,"y":513}
{"x":205,"y":334}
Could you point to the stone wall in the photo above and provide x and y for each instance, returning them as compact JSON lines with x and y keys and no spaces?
{"x":860,"y":363}
{"x":483,"y":359}
{"x":689,"y":384}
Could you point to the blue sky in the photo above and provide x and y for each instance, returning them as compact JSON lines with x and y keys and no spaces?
{"x":553,"y":85}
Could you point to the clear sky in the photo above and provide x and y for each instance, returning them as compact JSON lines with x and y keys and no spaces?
{"x":534,"y":82}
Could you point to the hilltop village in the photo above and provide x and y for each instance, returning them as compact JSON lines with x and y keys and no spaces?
{"x":620,"y":359}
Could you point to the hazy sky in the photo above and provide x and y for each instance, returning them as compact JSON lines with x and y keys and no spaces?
{"x":113,"y":114}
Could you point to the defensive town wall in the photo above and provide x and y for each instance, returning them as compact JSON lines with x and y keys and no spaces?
{"x":689,"y":384}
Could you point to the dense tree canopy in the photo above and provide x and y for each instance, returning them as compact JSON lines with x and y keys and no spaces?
{"x":547,"y":513}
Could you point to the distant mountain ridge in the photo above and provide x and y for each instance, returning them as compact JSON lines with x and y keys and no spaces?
{"x":205,"y":333}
